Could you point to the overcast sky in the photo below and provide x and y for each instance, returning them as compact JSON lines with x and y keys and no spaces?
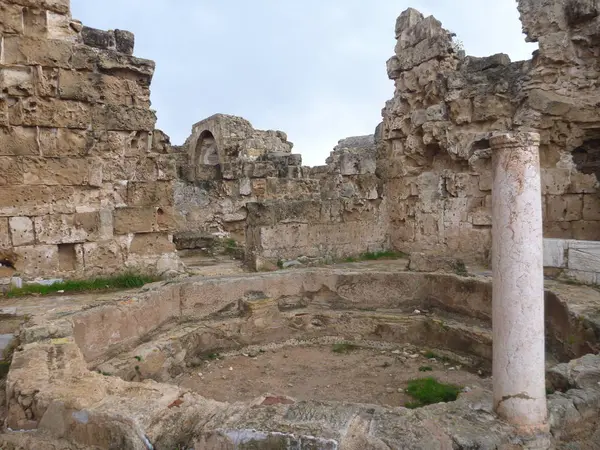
{"x":312,"y":68}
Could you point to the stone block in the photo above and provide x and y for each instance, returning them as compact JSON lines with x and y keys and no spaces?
{"x":555,"y":181}
{"x":100,"y":88}
{"x":591,"y":207}
{"x":135,"y":220}
{"x":17,"y":81}
{"x":51,"y":113}
{"x":63,"y":142}
{"x":36,"y":51}
{"x":481,"y":217}
{"x":55,"y":171}
{"x":461,"y":111}
{"x":21,"y":231}
{"x":584,"y":256}
{"x":554,"y":253}
{"x":68,"y":228}
{"x":491,"y":107}
{"x":125,"y":41}
{"x":23,"y":200}
{"x":18,"y":141}
{"x":60,"y":26}
{"x":101,"y":39}
{"x":11,"y":171}
{"x":432,"y":48}
{"x":586,"y":230}
{"x":139,"y":69}
{"x":151,"y":244}
{"x":45,"y":81}
{"x":103,"y":257}
{"x":122,"y":118}
{"x":564,"y":208}
{"x":426,"y":28}
{"x":159,"y":193}
{"x":5,"y":241}
{"x":11,"y":19}
{"x":59,"y":6}
{"x":409,"y":18}
{"x":37,"y":260}
{"x":421,"y":262}
{"x":35,"y":22}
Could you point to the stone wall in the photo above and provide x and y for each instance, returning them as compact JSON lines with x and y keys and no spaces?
{"x":346,"y":217}
{"x":434,"y":155}
{"x":85,"y":181}
{"x":226,"y":164}
{"x":573,"y":260}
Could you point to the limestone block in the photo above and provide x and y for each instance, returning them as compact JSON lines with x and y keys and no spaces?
{"x":421,"y":262}
{"x":436,"y":47}
{"x":151,"y":243}
{"x":555,"y":181}
{"x":99,"y":88}
{"x":582,"y":183}
{"x":4,"y":119}
{"x":564,"y":208}
{"x":103,"y":257}
{"x":37,"y":260}
{"x":11,"y":19}
{"x":35,"y":22}
{"x":591,"y":207}
{"x":11,"y":171}
{"x":463,"y":185}
{"x":489,"y":107}
{"x":36,"y":51}
{"x":409,"y":18}
{"x":125,"y":41}
{"x":119,"y":63}
{"x":55,"y":171}
{"x":475,"y":64}
{"x":59,"y":6}
{"x":481,"y":217}
{"x":461,"y":111}
{"x":49,"y":112}
{"x":5,"y":241}
{"x":59,"y":26}
{"x":159,"y":193}
{"x":45,"y":81}
{"x":21,"y":231}
{"x":586,"y":230}
{"x":16,"y":81}
{"x":554,"y":252}
{"x":135,"y":220}
{"x":245,"y":187}
{"x":122,"y":118}
{"x":427,"y":28}
{"x":68,"y":228}
{"x":63,"y":142}
{"x":583,"y":256}
{"x":23,"y":200}
{"x":18,"y":141}
{"x":134,"y":169}
{"x":98,"y":38}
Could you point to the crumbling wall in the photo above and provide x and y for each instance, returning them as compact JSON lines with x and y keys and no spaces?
{"x":249,"y":166}
{"x":347,"y":218}
{"x":434,"y":155}
{"x":85,"y":181}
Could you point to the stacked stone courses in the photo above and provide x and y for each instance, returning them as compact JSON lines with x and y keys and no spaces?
{"x":85,"y":181}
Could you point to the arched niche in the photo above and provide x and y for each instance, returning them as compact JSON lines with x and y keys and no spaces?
{"x":207,"y":152}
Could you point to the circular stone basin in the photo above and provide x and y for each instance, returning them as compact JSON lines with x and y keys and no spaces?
{"x":324,"y":354}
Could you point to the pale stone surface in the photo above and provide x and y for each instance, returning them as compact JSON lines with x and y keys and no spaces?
{"x":518,"y":289}
{"x":554,"y":253}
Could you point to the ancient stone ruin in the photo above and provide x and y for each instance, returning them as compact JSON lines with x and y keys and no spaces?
{"x":471,"y":216}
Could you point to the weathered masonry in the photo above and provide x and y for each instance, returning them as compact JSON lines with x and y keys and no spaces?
{"x":85,"y":181}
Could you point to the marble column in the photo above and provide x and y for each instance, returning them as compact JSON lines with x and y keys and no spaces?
{"x":518,"y":285}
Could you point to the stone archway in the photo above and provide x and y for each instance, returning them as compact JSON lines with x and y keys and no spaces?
{"x":207,"y":152}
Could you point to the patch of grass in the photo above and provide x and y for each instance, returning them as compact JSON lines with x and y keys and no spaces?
{"x":211,"y":357}
{"x":350,"y":260}
{"x":461,"y":269}
{"x":280,"y":263}
{"x":344,"y":347}
{"x":427,"y":391}
{"x":124,"y":281}
{"x":139,"y":358}
{"x":425,"y":369}
{"x":106,"y":374}
{"x":432,"y":355}
{"x":374,"y":256}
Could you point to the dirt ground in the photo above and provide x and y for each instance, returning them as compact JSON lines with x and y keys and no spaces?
{"x":317,"y":373}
